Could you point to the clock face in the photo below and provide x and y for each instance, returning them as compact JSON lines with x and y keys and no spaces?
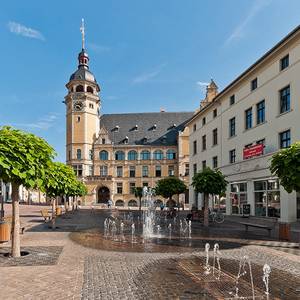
{"x":78,"y":106}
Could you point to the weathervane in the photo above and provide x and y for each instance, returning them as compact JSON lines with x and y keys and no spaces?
{"x":82,"y":32}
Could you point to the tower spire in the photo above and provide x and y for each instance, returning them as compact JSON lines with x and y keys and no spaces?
{"x":82,"y":32}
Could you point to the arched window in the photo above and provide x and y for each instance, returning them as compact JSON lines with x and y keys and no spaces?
{"x":145,"y":155}
{"x":119,"y":203}
{"x":158,"y":154}
{"x":103,"y":155}
{"x":171,"y":154}
{"x":119,"y":155}
{"x":132,"y":155}
{"x":78,"y":153}
{"x":79,"y":88}
{"x":90,"y":89}
{"x":132,"y":203}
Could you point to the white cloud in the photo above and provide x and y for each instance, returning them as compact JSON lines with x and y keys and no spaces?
{"x":239,"y":31}
{"x":201,"y":83}
{"x":98,"y":48}
{"x":22,"y":30}
{"x":43,"y":123}
{"x":148,"y":75}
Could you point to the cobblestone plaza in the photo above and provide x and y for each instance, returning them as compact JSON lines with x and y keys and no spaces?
{"x":59,"y":268}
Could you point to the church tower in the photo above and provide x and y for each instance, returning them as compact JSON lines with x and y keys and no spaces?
{"x":82,"y":114}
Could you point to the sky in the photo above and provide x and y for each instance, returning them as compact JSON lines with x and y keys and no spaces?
{"x":145,"y":54}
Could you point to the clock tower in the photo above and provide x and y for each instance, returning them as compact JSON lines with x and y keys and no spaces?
{"x":82,"y":114}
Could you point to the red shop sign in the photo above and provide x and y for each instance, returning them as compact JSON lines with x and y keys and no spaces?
{"x":252,"y":151}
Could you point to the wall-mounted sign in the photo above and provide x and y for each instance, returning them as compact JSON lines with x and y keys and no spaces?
{"x":252,"y":151}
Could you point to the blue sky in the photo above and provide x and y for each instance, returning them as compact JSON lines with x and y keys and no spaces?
{"x":144,"y":54}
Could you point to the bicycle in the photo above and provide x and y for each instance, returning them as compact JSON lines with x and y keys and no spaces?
{"x":216,"y":217}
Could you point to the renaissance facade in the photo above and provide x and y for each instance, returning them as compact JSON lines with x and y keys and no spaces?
{"x":114,"y":153}
{"x":239,"y":129}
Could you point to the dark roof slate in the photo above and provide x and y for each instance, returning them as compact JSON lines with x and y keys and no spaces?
{"x":164,"y":134}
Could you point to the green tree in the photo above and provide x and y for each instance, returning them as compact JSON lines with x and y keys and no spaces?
{"x":209,"y":182}
{"x":285,"y":164}
{"x":79,"y":190}
{"x":170,"y":186}
{"x":24,"y":159}
{"x":138,"y":193}
{"x":60,"y":181}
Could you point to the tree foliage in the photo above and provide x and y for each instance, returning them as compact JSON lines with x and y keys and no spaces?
{"x":138,"y":193}
{"x":167,"y":187}
{"x":285,"y":164}
{"x":209,"y":181}
{"x":24,"y":157}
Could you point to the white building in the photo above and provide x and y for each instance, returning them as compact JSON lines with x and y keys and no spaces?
{"x":239,"y":129}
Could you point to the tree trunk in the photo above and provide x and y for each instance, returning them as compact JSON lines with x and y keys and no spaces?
{"x":53,"y":213}
{"x":206,"y":217}
{"x":15,"y":243}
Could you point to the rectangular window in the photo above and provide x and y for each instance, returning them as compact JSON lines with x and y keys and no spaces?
{"x":131,"y":187}
{"x":203,"y":164}
{"x":91,"y":170}
{"x":267,"y":198}
{"x":215,"y":137}
{"x":238,"y":197}
{"x":132,"y":171}
{"x":232,"y":156}
{"x":215,"y":113}
{"x":145,"y":171}
{"x":187,"y":170}
{"x":171,"y":171}
{"x":285,"y":99}
{"x":103,"y":171}
{"x":285,"y":139}
{"x":145,"y":184}
{"x":232,"y":127}
{"x":78,"y":153}
{"x":157,"y":171}
{"x":119,"y":171}
{"x":194,"y":127}
{"x":215,"y":161}
{"x":78,"y":170}
{"x":103,"y":141}
{"x":119,"y":188}
{"x":194,"y":169}
{"x":254,"y":84}
{"x":203,"y":142}
{"x":195,"y":147}
{"x":248,"y":118}
{"x":91,"y":154}
{"x":284,"y":62}
{"x":260,"y":112}
{"x":232,"y":99}
{"x":203,"y":121}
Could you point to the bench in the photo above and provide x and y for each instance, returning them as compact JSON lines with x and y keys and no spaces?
{"x":9,"y":220}
{"x":268,"y":224}
{"x":45,"y":214}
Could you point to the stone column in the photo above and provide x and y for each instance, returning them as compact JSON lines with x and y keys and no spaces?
{"x":250,"y":196}
{"x":228,"y":200}
{"x":288,"y":206}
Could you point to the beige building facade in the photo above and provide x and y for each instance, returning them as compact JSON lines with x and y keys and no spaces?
{"x":114,"y":153}
{"x":239,"y":129}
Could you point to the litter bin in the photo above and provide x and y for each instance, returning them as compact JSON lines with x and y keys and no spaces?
{"x":58,"y":211}
{"x":4,"y":231}
{"x":284,"y":231}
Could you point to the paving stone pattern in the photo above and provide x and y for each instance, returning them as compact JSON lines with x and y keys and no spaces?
{"x":37,"y":256}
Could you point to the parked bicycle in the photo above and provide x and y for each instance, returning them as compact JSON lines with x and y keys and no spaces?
{"x":216,"y":216}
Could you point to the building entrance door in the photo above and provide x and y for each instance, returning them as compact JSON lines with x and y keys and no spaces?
{"x":103,"y":194}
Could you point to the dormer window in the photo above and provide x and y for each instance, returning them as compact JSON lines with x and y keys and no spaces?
{"x":125,"y":141}
{"x":116,"y":128}
{"x":135,"y":128}
{"x":164,"y":139}
{"x":154,"y":127}
{"x":172,"y":126}
{"x":145,"y":140}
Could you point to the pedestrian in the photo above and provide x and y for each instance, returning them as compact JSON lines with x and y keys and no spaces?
{"x":109,"y":203}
